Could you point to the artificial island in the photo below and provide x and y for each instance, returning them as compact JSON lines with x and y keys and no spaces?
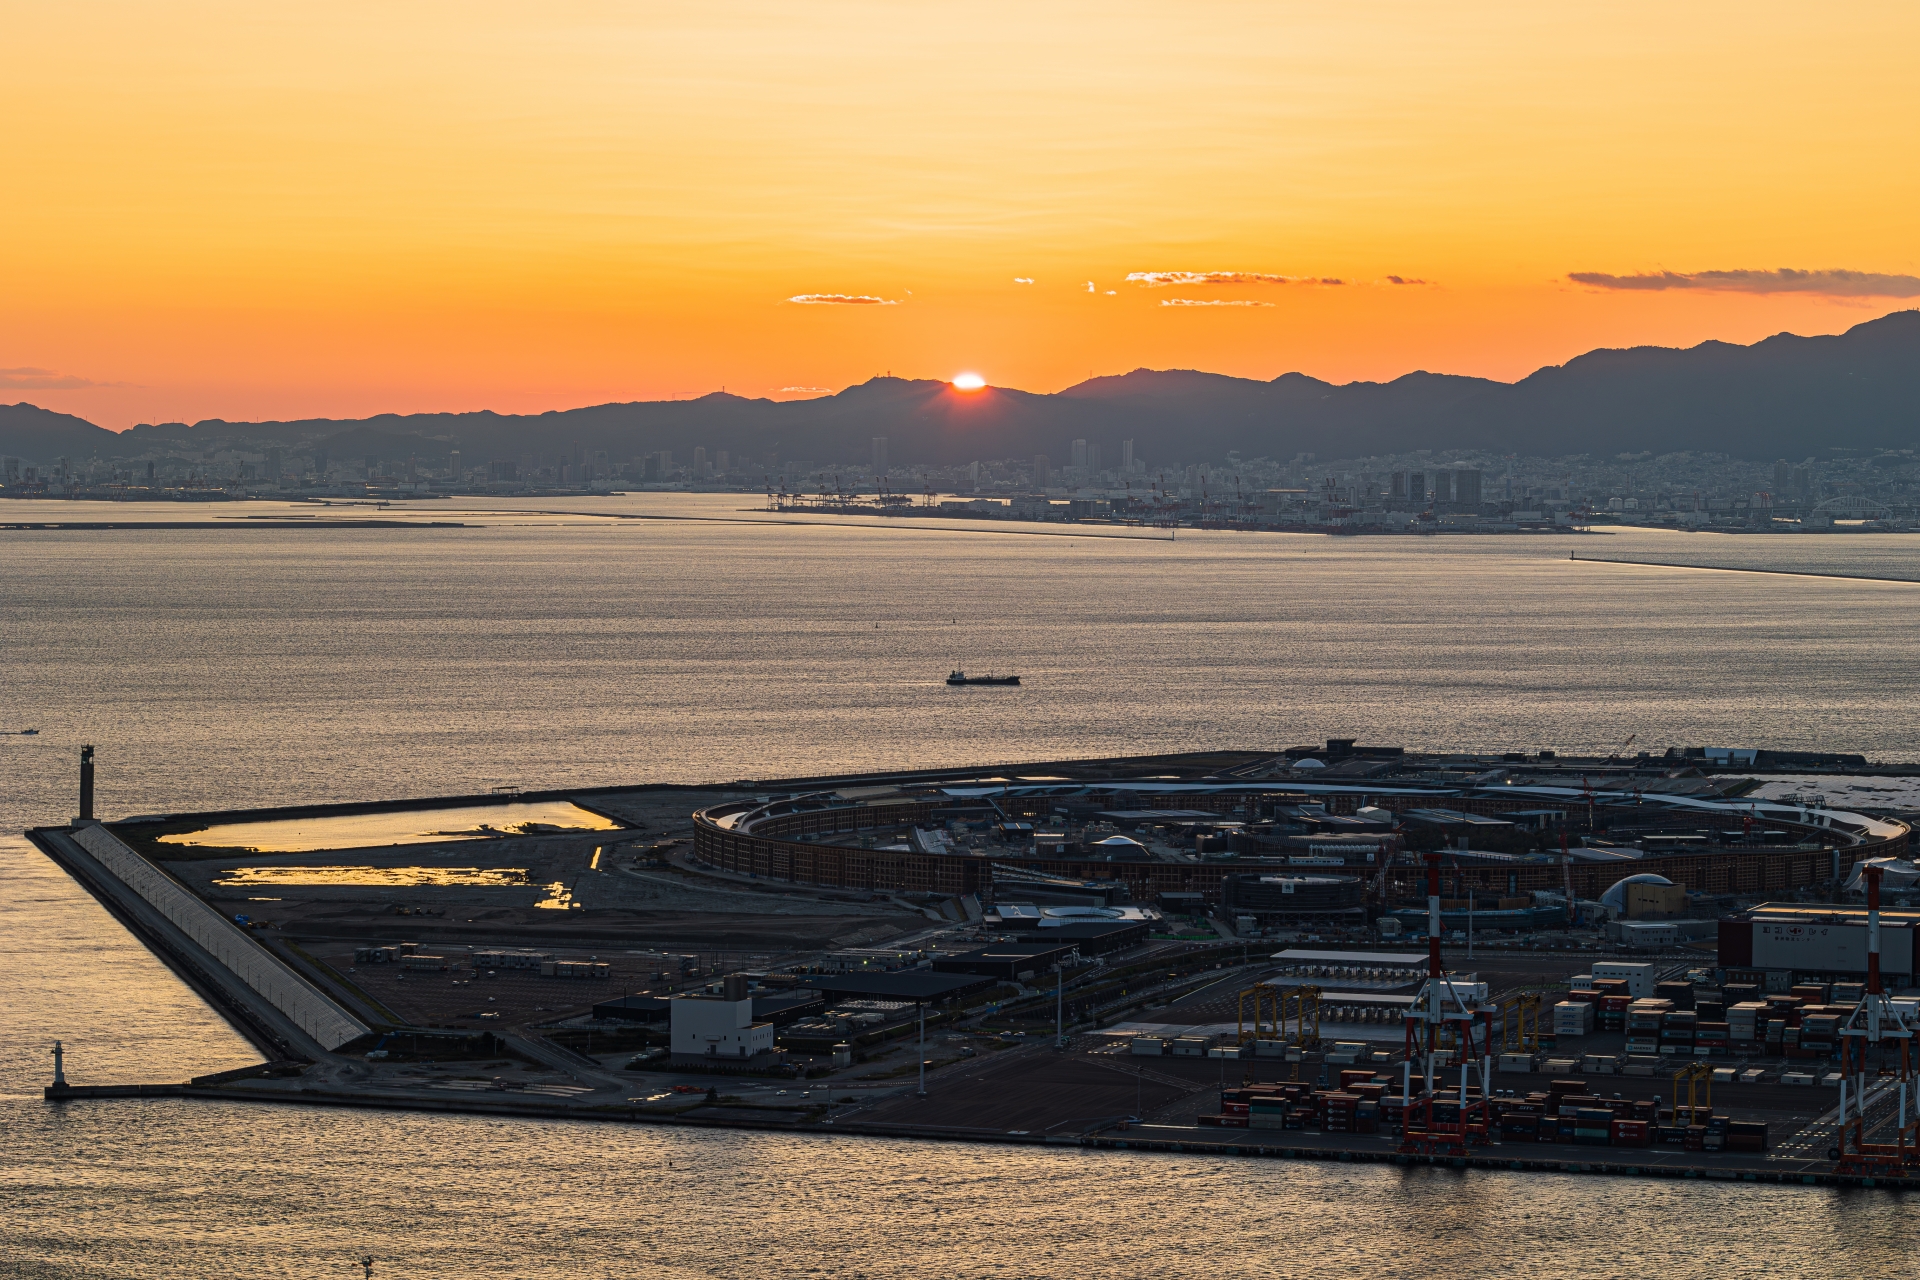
{"x":1693,"y":963}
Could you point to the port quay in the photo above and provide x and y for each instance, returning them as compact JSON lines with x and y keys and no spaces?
{"x":1692,"y":964}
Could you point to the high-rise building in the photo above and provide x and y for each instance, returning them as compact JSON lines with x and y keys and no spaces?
{"x":879,"y":455}
{"x":1782,"y":476}
{"x":721,"y":462}
{"x":453,"y":463}
{"x":1093,"y":457}
{"x":1397,"y":486}
{"x":700,"y":462}
{"x":1042,"y":473}
{"x":1442,"y":482}
{"x":1417,"y":486}
{"x":1126,"y":455}
{"x":1079,"y":453}
{"x":1466,"y":488}
{"x":275,"y":460}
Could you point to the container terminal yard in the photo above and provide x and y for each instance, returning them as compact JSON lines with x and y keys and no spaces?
{"x":1687,"y":964}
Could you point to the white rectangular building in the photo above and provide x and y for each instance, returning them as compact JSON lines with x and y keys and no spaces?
{"x":1639,"y":976}
{"x":712,"y":1026}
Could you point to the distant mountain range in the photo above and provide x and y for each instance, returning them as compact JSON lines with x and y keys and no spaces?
{"x":1786,"y":396}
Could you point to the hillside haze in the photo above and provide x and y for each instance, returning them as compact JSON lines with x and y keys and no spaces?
{"x":1786,"y":396}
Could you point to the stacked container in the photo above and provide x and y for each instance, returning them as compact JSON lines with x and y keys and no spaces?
{"x":1676,"y":1033}
{"x":1743,"y":1024}
{"x":1710,"y":1039}
{"x":1337,"y":1111}
{"x":1632,"y":1133}
{"x":1572,"y":1018}
{"x":1819,"y":1034}
{"x":1521,"y":1125}
{"x":1643,"y":1023}
{"x":1593,"y":1126}
{"x":1716,"y":1135}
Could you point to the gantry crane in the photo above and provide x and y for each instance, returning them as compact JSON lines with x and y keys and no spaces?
{"x":1874,"y":1022}
{"x":1446,"y":1127}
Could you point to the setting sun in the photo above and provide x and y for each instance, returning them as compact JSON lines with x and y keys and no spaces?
{"x":969,"y":382}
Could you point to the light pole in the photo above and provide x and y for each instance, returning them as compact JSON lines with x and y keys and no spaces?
{"x":1060,"y":1006}
{"x":921,"y":1010}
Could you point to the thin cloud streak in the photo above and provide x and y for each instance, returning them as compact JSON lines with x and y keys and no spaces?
{"x":27,"y":378}
{"x":1162,"y":279}
{"x":1836,"y":283}
{"x":1212,"y":302}
{"x":841,"y":300}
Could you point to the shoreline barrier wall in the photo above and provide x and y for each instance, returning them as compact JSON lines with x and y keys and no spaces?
{"x":265,"y":974}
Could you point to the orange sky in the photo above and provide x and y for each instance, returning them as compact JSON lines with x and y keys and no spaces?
{"x":226,"y":210}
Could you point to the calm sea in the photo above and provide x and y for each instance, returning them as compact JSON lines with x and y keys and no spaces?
{"x":240,"y":667}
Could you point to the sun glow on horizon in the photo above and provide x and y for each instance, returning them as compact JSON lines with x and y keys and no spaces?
{"x":968,"y":382}
{"x":1482,"y":189}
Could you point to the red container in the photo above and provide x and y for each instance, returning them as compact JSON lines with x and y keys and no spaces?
{"x":1350,"y":1078}
{"x":1233,"y":1108}
{"x":1632,"y":1133}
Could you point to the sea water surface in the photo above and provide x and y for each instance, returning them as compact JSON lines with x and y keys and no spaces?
{"x":232,"y":668}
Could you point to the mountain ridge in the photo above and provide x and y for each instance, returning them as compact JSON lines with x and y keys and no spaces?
{"x":1785,"y":395}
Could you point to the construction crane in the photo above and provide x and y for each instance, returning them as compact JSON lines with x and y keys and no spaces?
{"x":1622,"y":748}
{"x":1873,"y":1022}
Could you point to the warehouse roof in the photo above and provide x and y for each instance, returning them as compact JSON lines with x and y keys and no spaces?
{"x":1414,"y":958}
{"x":911,"y":984}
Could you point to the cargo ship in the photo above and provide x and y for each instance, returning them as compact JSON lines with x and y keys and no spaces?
{"x":961,"y":677}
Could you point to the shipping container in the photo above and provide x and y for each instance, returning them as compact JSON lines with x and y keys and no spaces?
{"x":1631,"y":1133}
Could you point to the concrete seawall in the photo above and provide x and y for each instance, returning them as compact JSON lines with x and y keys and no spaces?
{"x":265,"y":974}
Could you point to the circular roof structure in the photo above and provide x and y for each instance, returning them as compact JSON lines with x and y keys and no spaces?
{"x":1616,"y":897}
